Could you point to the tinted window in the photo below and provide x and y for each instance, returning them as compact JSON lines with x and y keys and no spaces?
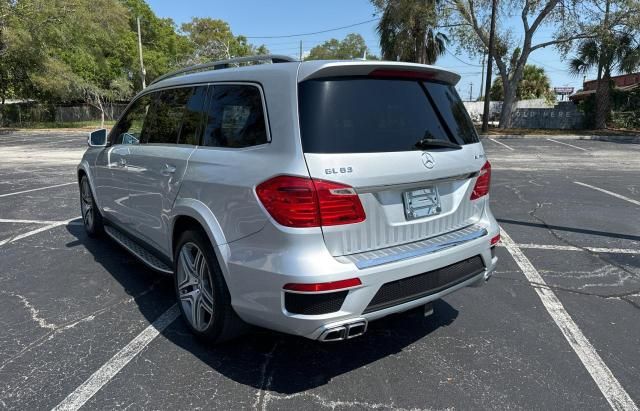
{"x":453,"y":112}
{"x":193,"y":117}
{"x":235,"y":117}
{"x":129,"y":128}
{"x":364,"y":115}
{"x":165,"y":116}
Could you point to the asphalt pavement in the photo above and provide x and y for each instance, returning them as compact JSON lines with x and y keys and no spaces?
{"x":557,"y":327}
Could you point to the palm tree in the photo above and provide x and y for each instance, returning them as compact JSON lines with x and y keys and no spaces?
{"x":618,"y":52}
{"x":407,"y":31}
{"x":534,"y":84}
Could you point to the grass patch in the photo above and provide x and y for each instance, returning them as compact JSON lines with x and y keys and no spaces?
{"x":89,"y":125}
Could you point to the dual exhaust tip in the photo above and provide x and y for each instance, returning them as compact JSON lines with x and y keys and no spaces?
{"x":344,"y":331}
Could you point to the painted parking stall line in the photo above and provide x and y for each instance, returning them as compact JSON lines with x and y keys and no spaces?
{"x":610,"y":387}
{"x":113,"y":366}
{"x":502,"y":144}
{"x":566,"y":144}
{"x":611,"y":193}
{"x":39,"y":230}
{"x":35,"y":189}
{"x":573,"y":248}
{"x":20,"y":221}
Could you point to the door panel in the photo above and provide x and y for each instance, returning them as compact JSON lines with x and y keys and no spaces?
{"x":155,"y":174}
{"x":111,"y":183}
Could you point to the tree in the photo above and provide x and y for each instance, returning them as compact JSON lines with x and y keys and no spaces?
{"x":407,"y":30}
{"x":534,"y":84}
{"x":470,"y":23}
{"x":27,"y":29}
{"x":615,"y":49}
{"x":86,"y":63}
{"x":163,"y":48}
{"x":212,"y":40}
{"x":352,"y":46}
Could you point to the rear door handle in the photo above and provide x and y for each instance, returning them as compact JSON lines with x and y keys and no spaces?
{"x":168,"y":169}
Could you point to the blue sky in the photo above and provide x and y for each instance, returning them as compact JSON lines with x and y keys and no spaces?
{"x":255,"y":18}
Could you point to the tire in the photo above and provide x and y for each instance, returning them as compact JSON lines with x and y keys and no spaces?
{"x":91,"y":217}
{"x":202,"y":294}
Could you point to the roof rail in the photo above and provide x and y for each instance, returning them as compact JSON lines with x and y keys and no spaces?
{"x":223,"y":64}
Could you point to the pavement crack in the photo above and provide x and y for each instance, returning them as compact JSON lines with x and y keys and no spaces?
{"x":33,"y":312}
{"x":558,"y":237}
{"x":539,"y":206}
{"x":263,"y":396}
{"x":621,"y":296}
{"x":52,"y":332}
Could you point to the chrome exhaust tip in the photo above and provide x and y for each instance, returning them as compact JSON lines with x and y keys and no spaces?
{"x":344,"y":331}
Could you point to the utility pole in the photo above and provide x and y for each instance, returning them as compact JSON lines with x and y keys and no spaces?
{"x":300,"y":50}
{"x":142,"y":71}
{"x":492,"y":33}
{"x":471,"y":91}
{"x":484,"y":55}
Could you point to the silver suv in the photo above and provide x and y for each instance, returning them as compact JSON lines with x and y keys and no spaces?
{"x":304,"y":197}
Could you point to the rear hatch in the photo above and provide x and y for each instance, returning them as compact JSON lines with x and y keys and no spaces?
{"x":402,"y":139}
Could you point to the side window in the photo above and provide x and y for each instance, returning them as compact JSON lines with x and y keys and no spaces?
{"x":193,"y":117}
{"x":165,"y":116}
{"x":235,"y":117}
{"x":129,"y":128}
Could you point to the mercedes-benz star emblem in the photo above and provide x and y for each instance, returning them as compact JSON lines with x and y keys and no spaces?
{"x":428,"y":161}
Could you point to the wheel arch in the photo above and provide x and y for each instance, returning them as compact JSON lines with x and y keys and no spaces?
{"x":188,"y":213}
{"x":84,"y":170}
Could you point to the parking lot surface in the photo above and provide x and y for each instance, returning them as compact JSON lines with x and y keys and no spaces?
{"x":83,"y":323}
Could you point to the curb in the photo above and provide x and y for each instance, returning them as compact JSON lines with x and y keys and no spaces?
{"x":611,"y":138}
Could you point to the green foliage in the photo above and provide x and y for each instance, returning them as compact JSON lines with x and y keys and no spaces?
{"x":617,"y":52}
{"x":211,"y":40}
{"x":534,"y":84}
{"x":407,"y":30}
{"x":87,"y":50}
{"x":351,"y":47}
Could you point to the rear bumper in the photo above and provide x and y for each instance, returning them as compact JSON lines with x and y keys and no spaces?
{"x":257,"y":268}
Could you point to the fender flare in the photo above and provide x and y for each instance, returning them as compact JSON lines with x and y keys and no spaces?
{"x":199,"y":211}
{"x":86,"y":169}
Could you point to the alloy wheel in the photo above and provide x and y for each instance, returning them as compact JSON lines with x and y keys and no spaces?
{"x":86,"y":204}
{"x":195,"y":288}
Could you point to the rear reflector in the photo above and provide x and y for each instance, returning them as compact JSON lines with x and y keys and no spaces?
{"x":495,"y":240}
{"x":317,"y":287}
{"x":482,"y":183}
{"x":303,"y":202}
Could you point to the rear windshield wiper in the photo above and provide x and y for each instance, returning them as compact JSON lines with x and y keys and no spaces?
{"x":432,"y":142}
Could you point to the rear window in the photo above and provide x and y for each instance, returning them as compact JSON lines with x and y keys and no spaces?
{"x":365,"y":115}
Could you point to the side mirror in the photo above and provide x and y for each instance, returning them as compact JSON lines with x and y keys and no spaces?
{"x":98,"y":138}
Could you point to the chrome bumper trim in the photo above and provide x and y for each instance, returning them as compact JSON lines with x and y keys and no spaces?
{"x":419,"y":248}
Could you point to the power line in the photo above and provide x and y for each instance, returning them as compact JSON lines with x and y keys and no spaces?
{"x":462,"y":61}
{"x":315,"y":32}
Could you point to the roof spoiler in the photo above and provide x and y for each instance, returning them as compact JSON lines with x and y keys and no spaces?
{"x":387,"y":69}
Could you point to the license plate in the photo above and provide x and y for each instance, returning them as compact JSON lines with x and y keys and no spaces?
{"x":421,"y":203}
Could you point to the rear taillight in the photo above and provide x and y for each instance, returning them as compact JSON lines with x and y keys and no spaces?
{"x":482,"y":183}
{"x":303,"y":202}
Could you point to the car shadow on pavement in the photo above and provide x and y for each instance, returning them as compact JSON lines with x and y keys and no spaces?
{"x":264,"y":359}
{"x":288,"y":364}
